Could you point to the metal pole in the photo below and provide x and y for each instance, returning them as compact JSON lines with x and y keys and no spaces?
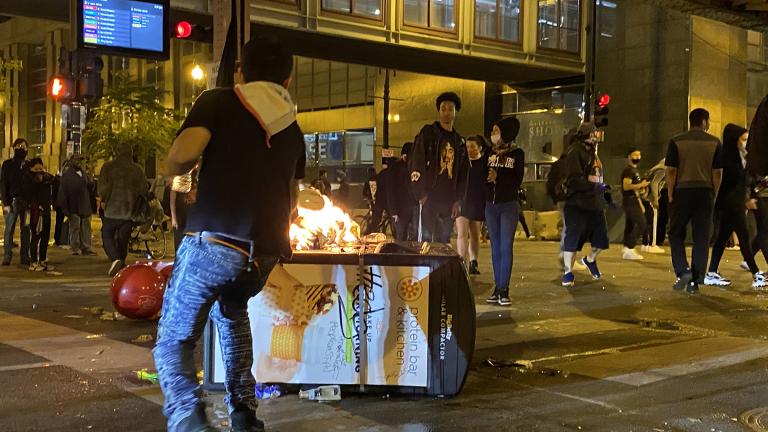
{"x":385,"y":129}
{"x":589,"y":66}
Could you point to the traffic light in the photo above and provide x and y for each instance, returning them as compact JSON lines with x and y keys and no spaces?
{"x":601,"y":111}
{"x":61,"y":88}
{"x":90,"y":84}
{"x":194,"y":32}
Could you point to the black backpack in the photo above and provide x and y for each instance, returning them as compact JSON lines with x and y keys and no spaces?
{"x":556,"y":181}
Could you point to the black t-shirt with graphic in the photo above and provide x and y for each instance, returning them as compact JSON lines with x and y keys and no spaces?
{"x":633,"y":174}
{"x":244,"y":188}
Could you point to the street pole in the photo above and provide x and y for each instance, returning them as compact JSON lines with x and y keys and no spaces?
{"x":385,"y":129}
{"x":589,"y":66}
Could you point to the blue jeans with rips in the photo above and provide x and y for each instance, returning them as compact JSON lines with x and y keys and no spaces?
{"x":501,"y":220}
{"x":16,"y":215}
{"x":213,"y":280}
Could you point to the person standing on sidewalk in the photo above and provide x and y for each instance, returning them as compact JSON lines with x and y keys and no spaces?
{"x":694,"y":172}
{"x":75,"y":200}
{"x":634,"y":218}
{"x":506,"y":165}
{"x":122,"y":184}
{"x":438,"y":170}
{"x":36,"y":185}
{"x":10,"y":178}
{"x":731,"y":204}
{"x":247,"y":136}
{"x":393,"y":192}
{"x":473,"y":205}
{"x":585,"y":204}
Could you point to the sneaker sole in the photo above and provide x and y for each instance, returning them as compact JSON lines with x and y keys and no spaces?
{"x":505,"y":304}
{"x":491,"y":301}
{"x":566,"y":284}
{"x":716,"y":284}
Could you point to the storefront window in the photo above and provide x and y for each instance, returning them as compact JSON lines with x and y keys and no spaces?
{"x":438,"y":14}
{"x":349,"y":151}
{"x":371,"y":8}
{"x":559,"y":25}
{"x":498,"y":19}
{"x":37,"y":81}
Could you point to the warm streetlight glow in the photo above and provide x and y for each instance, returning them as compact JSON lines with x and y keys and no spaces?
{"x":197,"y":73}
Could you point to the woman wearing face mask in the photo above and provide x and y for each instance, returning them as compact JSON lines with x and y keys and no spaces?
{"x":504,"y":176}
{"x":473,"y":205}
{"x":730,"y":205}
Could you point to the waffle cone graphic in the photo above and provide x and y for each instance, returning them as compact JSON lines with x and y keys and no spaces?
{"x":287,"y":341}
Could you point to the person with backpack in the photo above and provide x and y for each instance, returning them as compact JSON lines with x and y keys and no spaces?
{"x":585,"y":203}
{"x":123,"y":190}
{"x":438,"y":168}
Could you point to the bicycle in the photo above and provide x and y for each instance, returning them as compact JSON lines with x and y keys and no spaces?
{"x":385,"y":225}
{"x":151,"y":235}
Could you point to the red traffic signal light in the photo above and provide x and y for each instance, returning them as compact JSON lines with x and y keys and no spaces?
{"x":604,"y":100}
{"x":61,"y":88}
{"x":183,"y":29}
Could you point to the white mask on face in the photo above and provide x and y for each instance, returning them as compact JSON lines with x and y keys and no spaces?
{"x":496,"y":139}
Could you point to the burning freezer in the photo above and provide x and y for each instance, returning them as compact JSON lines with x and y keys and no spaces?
{"x":394,"y":317}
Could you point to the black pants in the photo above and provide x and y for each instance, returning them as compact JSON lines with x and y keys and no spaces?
{"x":60,"y":237}
{"x":524,"y":224}
{"x":732,"y":219}
{"x":38,"y":245}
{"x":436,"y":221}
{"x":661,"y":228}
{"x":692,"y":206}
{"x":115,"y":234}
{"x":760,"y":243}
{"x":634,"y":224}
{"x":406,"y":219}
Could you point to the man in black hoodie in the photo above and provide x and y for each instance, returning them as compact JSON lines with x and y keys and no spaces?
{"x":438,"y":168}
{"x":247,"y":136}
{"x":585,"y":203}
{"x":13,"y":209}
{"x":400,"y":205}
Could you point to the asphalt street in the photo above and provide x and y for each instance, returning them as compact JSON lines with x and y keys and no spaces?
{"x":625,"y":353}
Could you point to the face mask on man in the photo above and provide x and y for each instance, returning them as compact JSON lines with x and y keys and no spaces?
{"x":635,"y":161}
{"x":19,"y":153}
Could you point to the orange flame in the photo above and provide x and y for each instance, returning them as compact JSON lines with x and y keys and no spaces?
{"x":329,"y":226}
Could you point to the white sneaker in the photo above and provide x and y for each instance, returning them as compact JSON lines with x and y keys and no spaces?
{"x":116,"y":266}
{"x":714,"y":279}
{"x":630,"y":254}
{"x":655,"y":250}
{"x":744,"y":266}
{"x":760,"y":280}
{"x":35,"y":267}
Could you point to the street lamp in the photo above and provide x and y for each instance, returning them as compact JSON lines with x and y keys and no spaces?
{"x":197,"y":73}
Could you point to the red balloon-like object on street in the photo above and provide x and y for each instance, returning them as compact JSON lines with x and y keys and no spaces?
{"x":137,"y":291}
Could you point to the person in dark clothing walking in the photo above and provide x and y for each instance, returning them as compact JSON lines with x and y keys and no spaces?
{"x":694,"y":173}
{"x":585,"y":203}
{"x":392,"y":192}
{"x":36,"y":185}
{"x":322,"y":184}
{"x":731,"y":204}
{"x":634,"y":212}
{"x":438,"y":168}
{"x":122,"y":184}
{"x":505,"y":168}
{"x":473,"y":205}
{"x":247,"y":136}
{"x":75,"y":200}
{"x":10,"y":182}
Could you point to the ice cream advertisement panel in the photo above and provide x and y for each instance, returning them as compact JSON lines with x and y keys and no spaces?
{"x":305,"y":325}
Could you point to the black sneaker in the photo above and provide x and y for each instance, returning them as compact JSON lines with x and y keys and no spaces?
{"x":692,"y":288}
{"x":494,"y":297}
{"x":196,"y":421}
{"x":473,"y":268}
{"x":682,"y":282}
{"x":504,"y":299}
{"x":245,"y":420}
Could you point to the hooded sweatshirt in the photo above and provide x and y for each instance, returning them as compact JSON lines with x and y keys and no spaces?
{"x":733,"y":189}
{"x":255,"y":150}
{"x":10,"y":177}
{"x":757,"y":144}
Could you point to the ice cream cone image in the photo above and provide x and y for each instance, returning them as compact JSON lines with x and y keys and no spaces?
{"x":287,"y":341}
{"x":292,"y":303}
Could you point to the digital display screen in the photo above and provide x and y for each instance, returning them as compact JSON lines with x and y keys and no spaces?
{"x":128,"y":27}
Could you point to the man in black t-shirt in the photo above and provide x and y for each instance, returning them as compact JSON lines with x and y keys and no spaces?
{"x":439,"y":167}
{"x":253,"y":155}
{"x":634,"y":223}
{"x":694,"y":171}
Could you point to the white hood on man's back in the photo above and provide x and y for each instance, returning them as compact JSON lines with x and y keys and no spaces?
{"x":270,"y":103}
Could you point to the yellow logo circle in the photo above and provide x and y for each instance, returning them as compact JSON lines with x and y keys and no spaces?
{"x":409,"y":289}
